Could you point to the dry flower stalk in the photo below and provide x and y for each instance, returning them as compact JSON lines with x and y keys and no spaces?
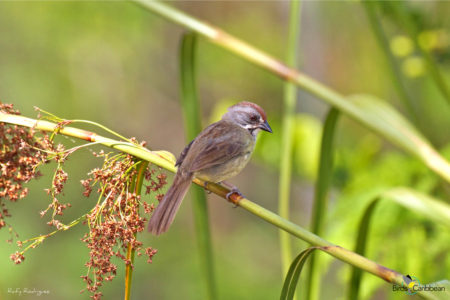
{"x":114,"y":221}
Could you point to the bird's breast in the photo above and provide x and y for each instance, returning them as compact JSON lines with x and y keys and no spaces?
{"x":226,"y":170}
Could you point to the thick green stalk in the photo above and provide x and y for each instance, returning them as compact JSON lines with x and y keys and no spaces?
{"x":193,"y":126}
{"x":290,"y":98}
{"x":417,"y":146}
{"x":165,"y":160}
{"x":393,"y":69}
{"x":324,"y":175}
{"x":136,"y":187}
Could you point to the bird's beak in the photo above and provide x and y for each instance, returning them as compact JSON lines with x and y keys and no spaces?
{"x":266,"y":127}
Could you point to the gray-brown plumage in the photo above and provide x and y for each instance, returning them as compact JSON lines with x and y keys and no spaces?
{"x":219,"y":152}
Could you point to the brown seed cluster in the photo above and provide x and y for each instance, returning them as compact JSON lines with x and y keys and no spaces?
{"x":17,"y":257}
{"x":116,"y":219}
{"x":59,"y":179}
{"x":18,"y":160}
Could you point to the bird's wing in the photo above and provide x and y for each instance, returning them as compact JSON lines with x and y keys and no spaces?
{"x":183,"y":154}
{"x":217,"y":144}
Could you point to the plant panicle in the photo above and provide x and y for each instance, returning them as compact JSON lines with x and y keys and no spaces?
{"x":113,"y":222}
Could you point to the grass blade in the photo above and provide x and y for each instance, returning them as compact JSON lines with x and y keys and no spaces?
{"x":290,"y":99}
{"x":321,"y":195}
{"x":420,"y":203}
{"x":290,"y":283}
{"x":193,"y":126}
{"x":360,"y":248}
{"x":385,"y":120}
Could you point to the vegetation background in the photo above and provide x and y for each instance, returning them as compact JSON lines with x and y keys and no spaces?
{"x":117,"y":64}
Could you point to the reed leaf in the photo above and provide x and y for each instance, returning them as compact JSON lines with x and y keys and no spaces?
{"x":321,"y":195}
{"x":386,"y":121}
{"x":293,"y":274}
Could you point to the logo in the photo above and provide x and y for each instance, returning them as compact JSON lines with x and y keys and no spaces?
{"x":412,"y":283}
{"x":411,"y":286}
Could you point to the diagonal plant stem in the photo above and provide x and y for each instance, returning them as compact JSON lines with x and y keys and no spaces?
{"x":290,"y":99}
{"x":164,"y":160}
{"x":424,"y":151}
{"x":193,"y":126}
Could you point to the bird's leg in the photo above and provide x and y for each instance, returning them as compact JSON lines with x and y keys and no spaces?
{"x":233,"y":190}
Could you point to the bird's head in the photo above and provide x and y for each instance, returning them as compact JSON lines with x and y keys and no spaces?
{"x":249,"y":116}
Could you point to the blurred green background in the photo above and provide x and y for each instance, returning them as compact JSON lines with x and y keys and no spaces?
{"x":117,"y":64}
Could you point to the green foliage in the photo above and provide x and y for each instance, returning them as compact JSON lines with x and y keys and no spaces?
{"x":411,"y":200}
{"x":293,"y":274}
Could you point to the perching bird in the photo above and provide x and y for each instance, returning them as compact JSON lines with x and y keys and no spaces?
{"x":219,"y":152}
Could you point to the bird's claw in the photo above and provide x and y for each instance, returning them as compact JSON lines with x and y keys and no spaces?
{"x":231,"y":192}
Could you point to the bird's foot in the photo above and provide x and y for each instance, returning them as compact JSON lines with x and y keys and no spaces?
{"x":234,"y":190}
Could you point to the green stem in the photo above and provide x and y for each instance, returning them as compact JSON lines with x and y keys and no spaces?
{"x":425,"y":152}
{"x":136,"y":187}
{"x":290,"y":98}
{"x":163,"y":160}
{"x":321,"y":195}
{"x":393,"y":68}
{"x":193,"y":126}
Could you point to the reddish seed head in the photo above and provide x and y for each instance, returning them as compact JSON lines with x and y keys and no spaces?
{"x":255,"y":106}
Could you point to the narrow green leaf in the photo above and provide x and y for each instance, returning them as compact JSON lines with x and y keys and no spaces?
{"x":193,"y":126}
{"x":321,"y":195}
{"x":385,"y":120}
{"x":290,"y":283}
{"x":360,"y":248}
{"x":422,"y":204}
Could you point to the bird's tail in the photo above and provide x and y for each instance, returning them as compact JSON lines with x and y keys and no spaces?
{"x":164,"y":214}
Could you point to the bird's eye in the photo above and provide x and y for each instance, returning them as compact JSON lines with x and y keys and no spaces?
{"x":254,"y":118}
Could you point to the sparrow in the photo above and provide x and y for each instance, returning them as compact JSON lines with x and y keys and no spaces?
{"x":219,"y":152}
